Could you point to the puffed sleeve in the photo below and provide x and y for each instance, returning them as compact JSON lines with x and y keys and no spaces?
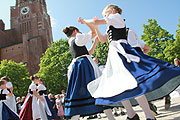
{"x":33,"y":87}
{"x":141,"y":43}
{"x":83,"y":38}
{"x":9,"y":85}
{"x":5,"y":91}
{"x":115,"y":20}
{"x":41,"y":87}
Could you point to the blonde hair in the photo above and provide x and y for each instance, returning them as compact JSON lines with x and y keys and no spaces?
{"x":108,"y":8}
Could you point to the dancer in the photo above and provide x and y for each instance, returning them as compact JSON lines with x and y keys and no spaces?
{"x":30,"y":109}
{"x":81,"y":71}
{"x":128,"y":73}
{"x":6,"y":113}
{"x":10,"y":99}
{"x":46,"y":110}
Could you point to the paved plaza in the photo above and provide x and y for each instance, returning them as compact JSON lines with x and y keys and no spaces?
{"x":173,"y":113}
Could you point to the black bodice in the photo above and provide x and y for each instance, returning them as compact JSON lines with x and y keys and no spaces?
{"x":30,"y":91}
{"x":41,"y":92}
{"x":116,"y":33}
{"x":77,"y":51}
{"x":2,"y":96}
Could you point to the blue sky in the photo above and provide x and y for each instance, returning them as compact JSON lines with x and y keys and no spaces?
{"x":136,"y":12}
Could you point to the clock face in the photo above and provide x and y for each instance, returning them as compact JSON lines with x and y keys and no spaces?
{"x":25,"y":10}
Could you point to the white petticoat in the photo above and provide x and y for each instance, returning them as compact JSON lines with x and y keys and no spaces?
{"x":44,"y":108}
{"x":115,"y":78}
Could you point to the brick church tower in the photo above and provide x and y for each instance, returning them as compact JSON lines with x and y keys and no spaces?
{"x":30,"y":34}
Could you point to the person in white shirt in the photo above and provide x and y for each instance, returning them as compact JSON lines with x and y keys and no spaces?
{"x":81,"y":71}
{"x":46,"y":109}
{"x":5,"y":111}
{"x":11,"y":101}
{"x":128,"y":73}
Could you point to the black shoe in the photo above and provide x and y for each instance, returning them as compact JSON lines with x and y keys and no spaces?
{"x":116,"y":114}
{"x":122,"y":113}
{"x":136,"y":117}
{"x":153,"y":108}
{"x":150,"y":119}
{"x":91,"y":117}
{"x":167,"y":102}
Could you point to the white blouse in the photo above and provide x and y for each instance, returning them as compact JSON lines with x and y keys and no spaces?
{"x":133,"y":39}
{"x":5,"y":91}
{"x":41,"y":87}
{"x":33,"y":86}
{"x":115,"y":20}
{"x":81,"y":38}
{"x":9,"y":85}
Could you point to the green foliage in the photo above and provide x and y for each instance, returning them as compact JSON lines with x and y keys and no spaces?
{"x":18,"y":74}
{"x":158,"y":39}
{"x":54,"y":64}
{"x":101,"y":52}
{"x":173,"y":48}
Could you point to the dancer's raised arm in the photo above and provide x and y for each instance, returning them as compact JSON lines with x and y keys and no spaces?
{"x":91,"y":50}
{"x":102,"y":38}
{"x":91,"y":27}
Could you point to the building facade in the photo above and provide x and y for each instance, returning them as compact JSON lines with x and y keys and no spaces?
{"x":30,"y":34}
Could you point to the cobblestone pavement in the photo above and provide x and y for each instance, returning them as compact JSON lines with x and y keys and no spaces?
{"x":173,"y":113}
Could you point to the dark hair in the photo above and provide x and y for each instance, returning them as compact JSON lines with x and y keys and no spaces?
{"x":5,"y":78}
{"x":34,"y":77}
{"x":41,"y":80}
{"x":2,"y":82}
{"x":69,"y":30}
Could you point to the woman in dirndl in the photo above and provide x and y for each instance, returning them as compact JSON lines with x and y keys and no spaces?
{"x":129,"y":73}
{"x":46,"y":110}
{"x":6,"y":113}
{"x":82,"y":70}
{"x":30,"y":109}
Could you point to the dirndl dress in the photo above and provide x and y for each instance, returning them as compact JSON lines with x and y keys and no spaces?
{"x":11,"y":99}
{"x":46,"y":109}
{"x":30,"y":109}
{"x":129,"y":73}
{"x":78,"y":100}
{"x":6,"y":113}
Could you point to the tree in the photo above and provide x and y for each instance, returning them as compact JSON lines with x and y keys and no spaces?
{"x":173,"y":48}
{"x":54,"y":65}
{"x":157,"y":38}
{"x":18,"y":74}
{"x":101,"y":52}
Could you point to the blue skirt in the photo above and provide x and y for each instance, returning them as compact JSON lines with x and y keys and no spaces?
{"x":78,"y":100}
{"x":155,"y":78}
{"x":8,"y":114}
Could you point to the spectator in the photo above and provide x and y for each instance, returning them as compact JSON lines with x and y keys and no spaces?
{"x":59,"y":106}
{"x":18,"y":104}
{"x":53,"y":101}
